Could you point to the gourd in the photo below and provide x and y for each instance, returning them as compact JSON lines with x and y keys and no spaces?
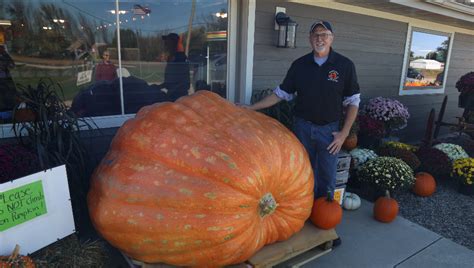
{"x":351,"y":201}
{"x":200,"y":182}
{"x":425,"y":184}
{"x":326,"y":212}
{"x":385,"y":208}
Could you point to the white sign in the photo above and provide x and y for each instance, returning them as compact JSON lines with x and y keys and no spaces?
{"x":84,"y":77}
{"x":35,"y":232}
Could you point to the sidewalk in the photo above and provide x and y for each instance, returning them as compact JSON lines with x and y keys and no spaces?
{"x":401,"y":243}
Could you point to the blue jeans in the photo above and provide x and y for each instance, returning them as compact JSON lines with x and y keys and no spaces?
{"x":316,"y":139}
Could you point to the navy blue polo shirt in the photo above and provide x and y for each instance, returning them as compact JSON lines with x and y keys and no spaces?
{"x":321,"y":89}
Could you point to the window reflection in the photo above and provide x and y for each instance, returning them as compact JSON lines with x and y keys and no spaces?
{"x":176,"y":48}
{"x":75,"y":43}
{"x":427,"y":59}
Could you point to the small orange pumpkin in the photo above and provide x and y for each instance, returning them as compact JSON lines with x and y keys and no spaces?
{"x":24,"y":115}
{"x":15,"y":260}
{"x":326,"y":212}
{"x":385,"y":208}
{"x":425,"y":184}
{"x":350,"y":142}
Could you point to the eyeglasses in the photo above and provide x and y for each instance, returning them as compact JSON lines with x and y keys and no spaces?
{"x":323,"y":36}
{"x":106,"y":55}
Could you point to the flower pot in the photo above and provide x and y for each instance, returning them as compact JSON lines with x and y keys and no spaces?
{"x":466,"y":189}
{"x":370,"y":192}
{"x":466,"y":101}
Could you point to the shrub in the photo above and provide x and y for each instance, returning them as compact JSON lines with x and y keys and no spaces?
{"x":406,"y":156}
{"x":463,"y":170}
{"x":391,"y":112}
{"x":283,"y":111}
{"x":370,"y":127}
{"x":388,"y":173}
{"x":16,"y":161}
{"x":401,"y":145}
{"x":434,"y":162}
{"x":465,"y":84}
{"x":452,"y":151}
{"x":360,"y":156}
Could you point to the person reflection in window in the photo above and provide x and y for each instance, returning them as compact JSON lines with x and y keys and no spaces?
{"x":105,"y":70}
{"x":176,"y":82}
{"x":7,"y":86}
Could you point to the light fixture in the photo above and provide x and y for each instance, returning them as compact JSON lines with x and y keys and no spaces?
{"x":222,"y":15}
{"x":286,"y":31}
{"x":121,"y":12}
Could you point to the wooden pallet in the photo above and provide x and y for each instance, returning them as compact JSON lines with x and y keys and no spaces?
{"x":303,"y":247}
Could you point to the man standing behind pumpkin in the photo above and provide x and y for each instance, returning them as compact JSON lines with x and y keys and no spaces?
{"x":325,"y":83}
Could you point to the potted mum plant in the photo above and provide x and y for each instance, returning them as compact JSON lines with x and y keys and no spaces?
{"x":371,"y":131}
{"x":465,"y":86}
{"x":385,"y":173}
{"x":392,"y":113}
{"x":452,"y":151}
{"x":463,"y":171}
{"x":435,"y":162}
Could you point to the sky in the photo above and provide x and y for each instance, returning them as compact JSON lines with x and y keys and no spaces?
{"x":165,"y":14}
{"x":422,"y":43}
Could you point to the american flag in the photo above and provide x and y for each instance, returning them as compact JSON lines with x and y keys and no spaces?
{"x":139,"y":10}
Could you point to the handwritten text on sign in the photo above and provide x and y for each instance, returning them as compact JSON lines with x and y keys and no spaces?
{"x":21,"y":204}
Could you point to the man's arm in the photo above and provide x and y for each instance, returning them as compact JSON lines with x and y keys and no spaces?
{"x":340,"y":137}
{"x":266,"y":102}
{"x":351,"y":115}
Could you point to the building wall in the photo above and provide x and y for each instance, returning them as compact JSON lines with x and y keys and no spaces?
{"x":375,"y":45}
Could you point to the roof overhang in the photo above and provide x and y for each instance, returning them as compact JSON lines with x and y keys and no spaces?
{"x":437,"y":11}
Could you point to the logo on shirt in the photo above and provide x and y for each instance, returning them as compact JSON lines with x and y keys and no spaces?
{"x":333,"y":76}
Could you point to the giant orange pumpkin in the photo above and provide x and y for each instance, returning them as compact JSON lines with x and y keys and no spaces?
{"x":326,"y":212}
{"x":425,"y":184}
{"x":200,"y":182}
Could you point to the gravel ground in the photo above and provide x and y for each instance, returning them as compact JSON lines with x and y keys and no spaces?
{"x":447,"y":212}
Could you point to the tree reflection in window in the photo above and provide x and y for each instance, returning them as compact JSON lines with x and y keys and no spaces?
{"x":427,"y":60}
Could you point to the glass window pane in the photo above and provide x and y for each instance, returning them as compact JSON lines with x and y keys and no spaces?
{"x":62,"y":41}
{"x":171,"y":49}
{"x":427,"y":59}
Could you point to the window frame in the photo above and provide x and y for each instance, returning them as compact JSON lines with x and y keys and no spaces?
{"x":113,"y":121}
{"x":406,"y":61}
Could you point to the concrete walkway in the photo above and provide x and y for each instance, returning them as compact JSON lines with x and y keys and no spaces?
{"x":401,"y":243}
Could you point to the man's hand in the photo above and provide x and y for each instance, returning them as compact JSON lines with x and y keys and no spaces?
{"x":336,"y":144}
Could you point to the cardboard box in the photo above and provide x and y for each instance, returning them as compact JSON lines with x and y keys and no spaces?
{"x":343,"y":161}
{"x":342,"y":177}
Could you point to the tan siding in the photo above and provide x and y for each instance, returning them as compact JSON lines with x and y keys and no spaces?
{"x":375,"y":45}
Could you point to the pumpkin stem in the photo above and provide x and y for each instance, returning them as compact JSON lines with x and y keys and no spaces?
{"x":329,"y":196}
{"x":387,"y":193}
{"x":267,"y":205}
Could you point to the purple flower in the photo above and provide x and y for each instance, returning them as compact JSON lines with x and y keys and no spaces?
{"x":392,"y":112}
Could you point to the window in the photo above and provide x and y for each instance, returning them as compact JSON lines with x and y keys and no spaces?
{"x":164,"y":50}
{"x":426,"y":62}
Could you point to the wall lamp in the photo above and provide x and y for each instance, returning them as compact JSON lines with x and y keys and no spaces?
{"x":286,"y":31}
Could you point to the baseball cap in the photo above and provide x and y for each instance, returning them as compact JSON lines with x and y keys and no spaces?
{"x":323,"y":23}
{"x":170,"y":36}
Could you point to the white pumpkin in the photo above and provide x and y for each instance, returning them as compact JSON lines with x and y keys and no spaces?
{"x":351,"y":201}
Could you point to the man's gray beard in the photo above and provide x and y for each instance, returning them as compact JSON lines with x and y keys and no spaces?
{"x":319,"y":49}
